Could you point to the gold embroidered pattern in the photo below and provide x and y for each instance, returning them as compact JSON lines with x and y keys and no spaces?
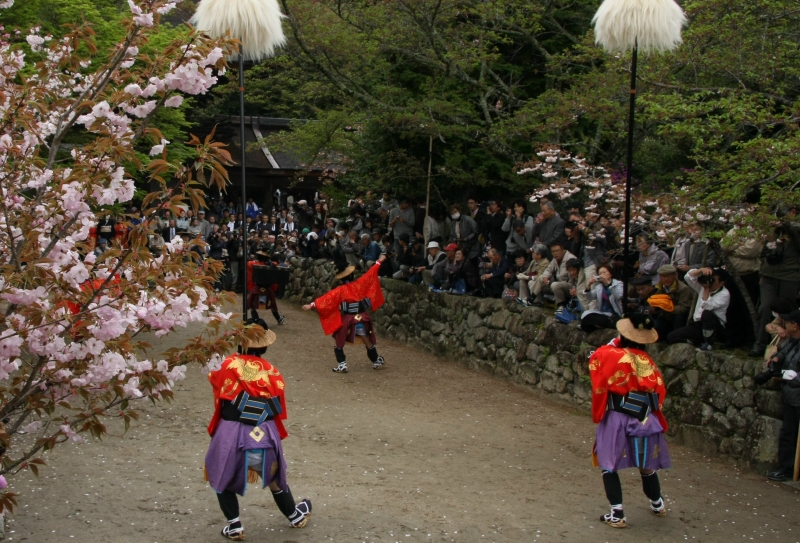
{"x":656,"y":451}
{"x":600,"y":390}
{"x":250,"y":371}
{"x":228,"y":387}
{"x":641,"y":365}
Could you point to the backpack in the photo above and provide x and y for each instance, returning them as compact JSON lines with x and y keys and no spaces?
{"x":570,"y":312}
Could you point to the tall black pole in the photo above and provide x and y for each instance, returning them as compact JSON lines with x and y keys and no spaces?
{"x":627,"y":243}
{"x":244,"y":186}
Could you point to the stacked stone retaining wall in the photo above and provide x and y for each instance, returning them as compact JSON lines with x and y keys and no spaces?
{"x":712,"y":406}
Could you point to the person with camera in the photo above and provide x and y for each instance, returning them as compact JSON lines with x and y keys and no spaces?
{"x":780,"y":270}
{"x":710,"y":311}
{"x":607,"y":293}
{"x":785,"y":366}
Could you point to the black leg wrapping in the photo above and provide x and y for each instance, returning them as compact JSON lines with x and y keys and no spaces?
{"x":339,"y":354}
{"x":285,"y":502}
{"x":372,"y":353}
{"x":613,"y":487}
{"x":276,"y":314}
{"x":651,"y":486}
{"x":229,"y":504}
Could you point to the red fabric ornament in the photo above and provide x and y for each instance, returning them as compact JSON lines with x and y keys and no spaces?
{"x":366,"y":286}
{"x":619,"y":371}
{"x":251,"y":374}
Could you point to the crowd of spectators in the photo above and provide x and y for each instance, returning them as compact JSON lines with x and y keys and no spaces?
{"x":563,"y":258}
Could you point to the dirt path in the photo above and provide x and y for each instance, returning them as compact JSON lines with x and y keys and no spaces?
{"x":424,"y":450}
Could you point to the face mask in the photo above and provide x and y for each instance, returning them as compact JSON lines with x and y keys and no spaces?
{"x":455,"y":216}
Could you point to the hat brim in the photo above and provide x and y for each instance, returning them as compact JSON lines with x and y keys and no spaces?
{"x":626,"y":328}
{"x":265,"y":340}
{"x":345,"y":272}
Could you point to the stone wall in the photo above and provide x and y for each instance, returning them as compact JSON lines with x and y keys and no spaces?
{"x":712,"y":406}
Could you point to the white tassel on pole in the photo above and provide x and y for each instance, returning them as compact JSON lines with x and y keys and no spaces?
{"x":650,"y":25}
{"x":257,"y":23}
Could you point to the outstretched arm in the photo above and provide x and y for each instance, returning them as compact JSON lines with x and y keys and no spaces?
{"x":308,"y":307}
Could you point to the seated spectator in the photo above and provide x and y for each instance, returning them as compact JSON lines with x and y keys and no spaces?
{"x":644,"y":289}
{"x":574,"y":286}
{"x":519,"y":226}
{"x":372,"y":250}
{"x":518,"y":267}
{"x":194,"y":228}
{"x":681,"y":296}
{"x":494,"y":276}
{"x":182,"y":222}
{"x":607,"y":292}
{"x":102,"y":247}
{"x":709,"y":312}
{"x":556,"y":271}
{"x":538,"y":265}
{"x":462,"y":275}
{"x":650,"y":258}
{"x":435,"y":256}
{"x":403,"y":257}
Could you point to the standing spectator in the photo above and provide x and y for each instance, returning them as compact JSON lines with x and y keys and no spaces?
{"x":494,"y":226}
{"x":520,"y":236}
{"x":538,"y":265}
{"x":494,"y":278}
{"x":607,"y":292}
{"x":236,"y":254}
{"x":650,"y":258}
{"x":549,"y":227}
{"x":305,"y":214}
{"x":289,"y":226}
{"x":401,"y":221}
{"x":780,"y":272}
{"x":693,"y":252}
{"x":263,"y":225}
{"x":681,"y":296}
{"x":208,"y":227}
{"x":251,"y":209}
{"x":478,"y":215}
{"x":463,"y":231}
{"x":785,"y":365}
{"x":556,"y":271}
{"x":170,"y":231}
{"x":710,"y":313}
{"x":105,"y":228}
{"x":202,"y":222}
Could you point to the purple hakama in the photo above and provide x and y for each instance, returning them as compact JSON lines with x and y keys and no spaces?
{"x":624,"y":442}
{"x":226,"y":459}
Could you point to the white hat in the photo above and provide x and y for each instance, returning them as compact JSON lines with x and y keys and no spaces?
{"x":432,"y":244}
{"x":302,"y":203}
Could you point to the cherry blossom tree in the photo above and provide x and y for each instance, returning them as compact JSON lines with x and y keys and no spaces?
{"x":73,"y":326}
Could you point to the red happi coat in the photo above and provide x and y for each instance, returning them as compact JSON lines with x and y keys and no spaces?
{"x":251,"y":374}
{"x":366,"y":286}
{"x":619,"y":371}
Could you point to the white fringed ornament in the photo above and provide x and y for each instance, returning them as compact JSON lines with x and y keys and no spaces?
{"x":256,"y":23}
{"x":650,"y":25}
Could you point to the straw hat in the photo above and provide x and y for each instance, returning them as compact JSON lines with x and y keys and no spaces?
{"x":265,"y":338}
{"x":638,"y":328}
{"x":345,"y":272}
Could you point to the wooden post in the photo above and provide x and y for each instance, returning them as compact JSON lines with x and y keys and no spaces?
{"x":425,"y":229}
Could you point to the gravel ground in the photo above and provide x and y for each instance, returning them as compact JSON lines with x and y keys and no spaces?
{"x":423,"y":450}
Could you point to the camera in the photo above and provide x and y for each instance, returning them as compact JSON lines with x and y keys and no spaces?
{"x":705,"y":279}
{"x":597,"y":278}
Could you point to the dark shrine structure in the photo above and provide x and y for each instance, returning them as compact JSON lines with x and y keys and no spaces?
{"x":266,"y":170}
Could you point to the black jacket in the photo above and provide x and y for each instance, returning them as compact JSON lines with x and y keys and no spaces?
{"x":497,"y":237}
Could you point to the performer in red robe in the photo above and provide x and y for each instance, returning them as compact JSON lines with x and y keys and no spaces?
{"x":345,"y":313}
{"x":628,"y":393}
{"x":246,"y":432}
